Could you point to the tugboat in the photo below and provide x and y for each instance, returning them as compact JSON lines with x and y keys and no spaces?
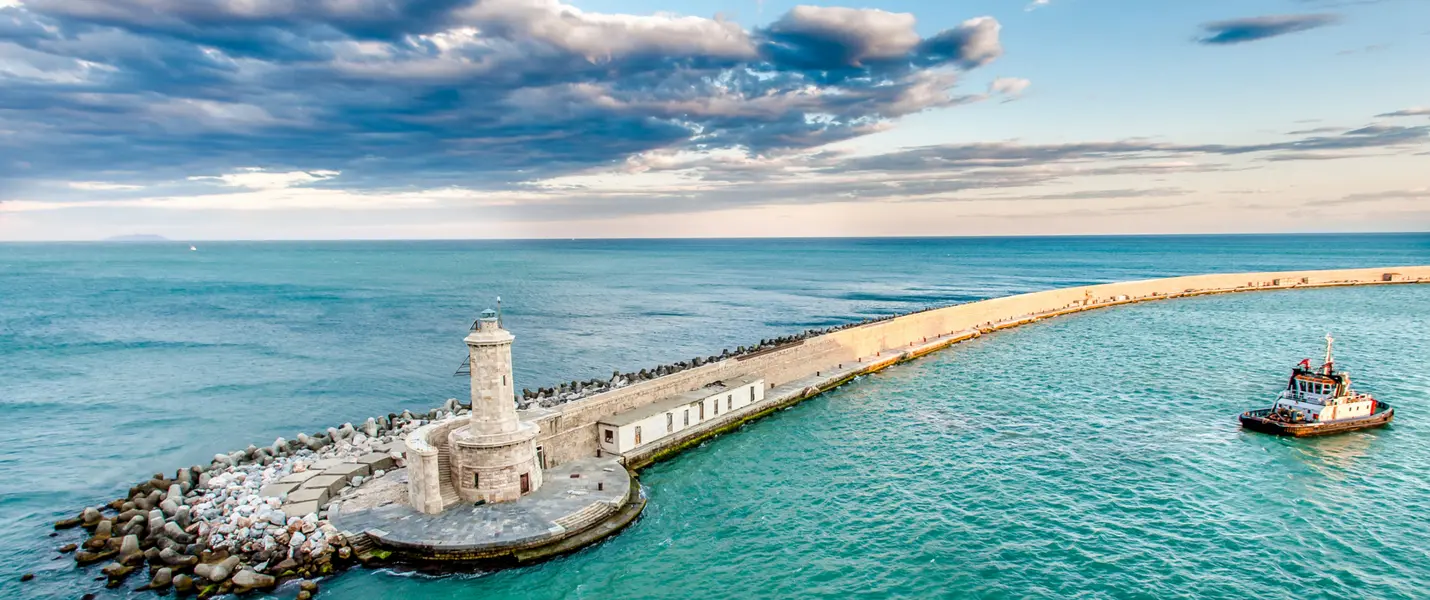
{"x":1318,"y":402}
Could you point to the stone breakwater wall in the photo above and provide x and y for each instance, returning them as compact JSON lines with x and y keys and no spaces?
{"x":569,"y":431}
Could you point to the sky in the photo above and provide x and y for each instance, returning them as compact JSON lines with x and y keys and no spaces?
{"x":412,"y":119}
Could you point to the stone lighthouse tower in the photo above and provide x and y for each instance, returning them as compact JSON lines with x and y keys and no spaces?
{"x":493,"y":457}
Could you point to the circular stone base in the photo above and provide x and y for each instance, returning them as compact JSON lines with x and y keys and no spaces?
{"x":580,"y":503}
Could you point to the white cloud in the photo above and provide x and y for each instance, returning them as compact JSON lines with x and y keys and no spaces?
{"x":100,"y":186}
{"x":258,"y":179}
{"x":1012,"y":87}
{"x":266,"y":200}
{"x":1036,"y":4}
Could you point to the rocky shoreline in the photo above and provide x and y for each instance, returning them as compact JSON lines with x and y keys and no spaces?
{"x":228,"y":527}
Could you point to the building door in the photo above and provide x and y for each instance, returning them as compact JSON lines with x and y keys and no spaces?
{"x":541,"y":457}
{"x":525,"y":483}
{"x":638,"y":435}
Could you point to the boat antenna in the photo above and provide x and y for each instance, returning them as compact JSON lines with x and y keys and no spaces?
{"x":499,"y":315}
{"x":1329,"y":341}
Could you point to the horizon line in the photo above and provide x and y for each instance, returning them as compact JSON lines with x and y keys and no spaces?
{"x":116,"y":239}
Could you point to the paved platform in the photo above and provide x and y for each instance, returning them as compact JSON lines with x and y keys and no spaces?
{"x":562,"y":507}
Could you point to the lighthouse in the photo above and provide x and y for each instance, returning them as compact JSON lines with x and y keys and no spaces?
{"x":493,"y":457}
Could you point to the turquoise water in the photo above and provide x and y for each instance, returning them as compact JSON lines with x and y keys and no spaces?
{"x":1092,"y":456}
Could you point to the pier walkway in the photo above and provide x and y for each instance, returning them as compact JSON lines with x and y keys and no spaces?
{"x":575,"y":496}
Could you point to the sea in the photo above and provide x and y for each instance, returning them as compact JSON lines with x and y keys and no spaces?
{"x":1088,"y":456}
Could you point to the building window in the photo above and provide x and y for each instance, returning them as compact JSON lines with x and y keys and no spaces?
{"x":476,"y":480}
{"x":702,"y":410}
{"x":752,"y":393}
{"x":717,"y":407}
{"x":730,"y":402}
{"x":541,"y":457}
{"x":503,"y":379}
{"x":638,"y":435}
{"x":687,"y":417}
{"x":669,"y":422}
{"x":610,"y":435}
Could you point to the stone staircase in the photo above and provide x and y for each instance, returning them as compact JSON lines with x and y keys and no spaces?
{"x":444,"y":480}
{"x":585,"y":517}
{"x":362,"y":545}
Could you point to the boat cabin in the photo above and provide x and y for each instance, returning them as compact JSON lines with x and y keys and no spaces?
{"x":1320,"y":395}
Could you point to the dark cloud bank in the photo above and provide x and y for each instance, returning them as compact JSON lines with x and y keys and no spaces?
{"x":437,"y":92}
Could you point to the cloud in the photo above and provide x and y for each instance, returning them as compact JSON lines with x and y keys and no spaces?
{"x":1004,"y":155}
{"x":1105,"y":194}
{"x":1416,"y":195}
{"x":691,"y":181}
{"x":832,"y":38}
{"x":1237,"y":31}
{"x":1011,"y":87}
{"x":99,"y":186}
{"x":259,"y":179}
{"x":1036,"y":4}
{"x":1366,"y":49}
{"x":1417,"y":111}
{"x":433,"y":93}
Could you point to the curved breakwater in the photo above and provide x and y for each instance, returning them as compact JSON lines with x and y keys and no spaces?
{"x":807,"y":366}
{"x":210,"y":529}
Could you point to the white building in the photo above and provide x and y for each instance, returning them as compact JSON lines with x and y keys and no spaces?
{"x":630,"y":430}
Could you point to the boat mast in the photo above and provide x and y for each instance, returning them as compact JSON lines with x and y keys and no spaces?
{"x":1327,"y":368}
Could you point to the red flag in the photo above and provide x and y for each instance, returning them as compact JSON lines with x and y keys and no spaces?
{"x":1305,"y":363}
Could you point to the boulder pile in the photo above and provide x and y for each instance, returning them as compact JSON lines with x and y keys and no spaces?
{"x":213,"y":530}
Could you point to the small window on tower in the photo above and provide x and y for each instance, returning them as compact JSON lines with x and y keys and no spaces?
{"x":476,"y":480}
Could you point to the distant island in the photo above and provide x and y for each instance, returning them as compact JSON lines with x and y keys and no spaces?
{"x":138,"y":237}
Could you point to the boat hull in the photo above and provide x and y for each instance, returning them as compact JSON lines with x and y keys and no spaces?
{"x":1255,"y":421}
